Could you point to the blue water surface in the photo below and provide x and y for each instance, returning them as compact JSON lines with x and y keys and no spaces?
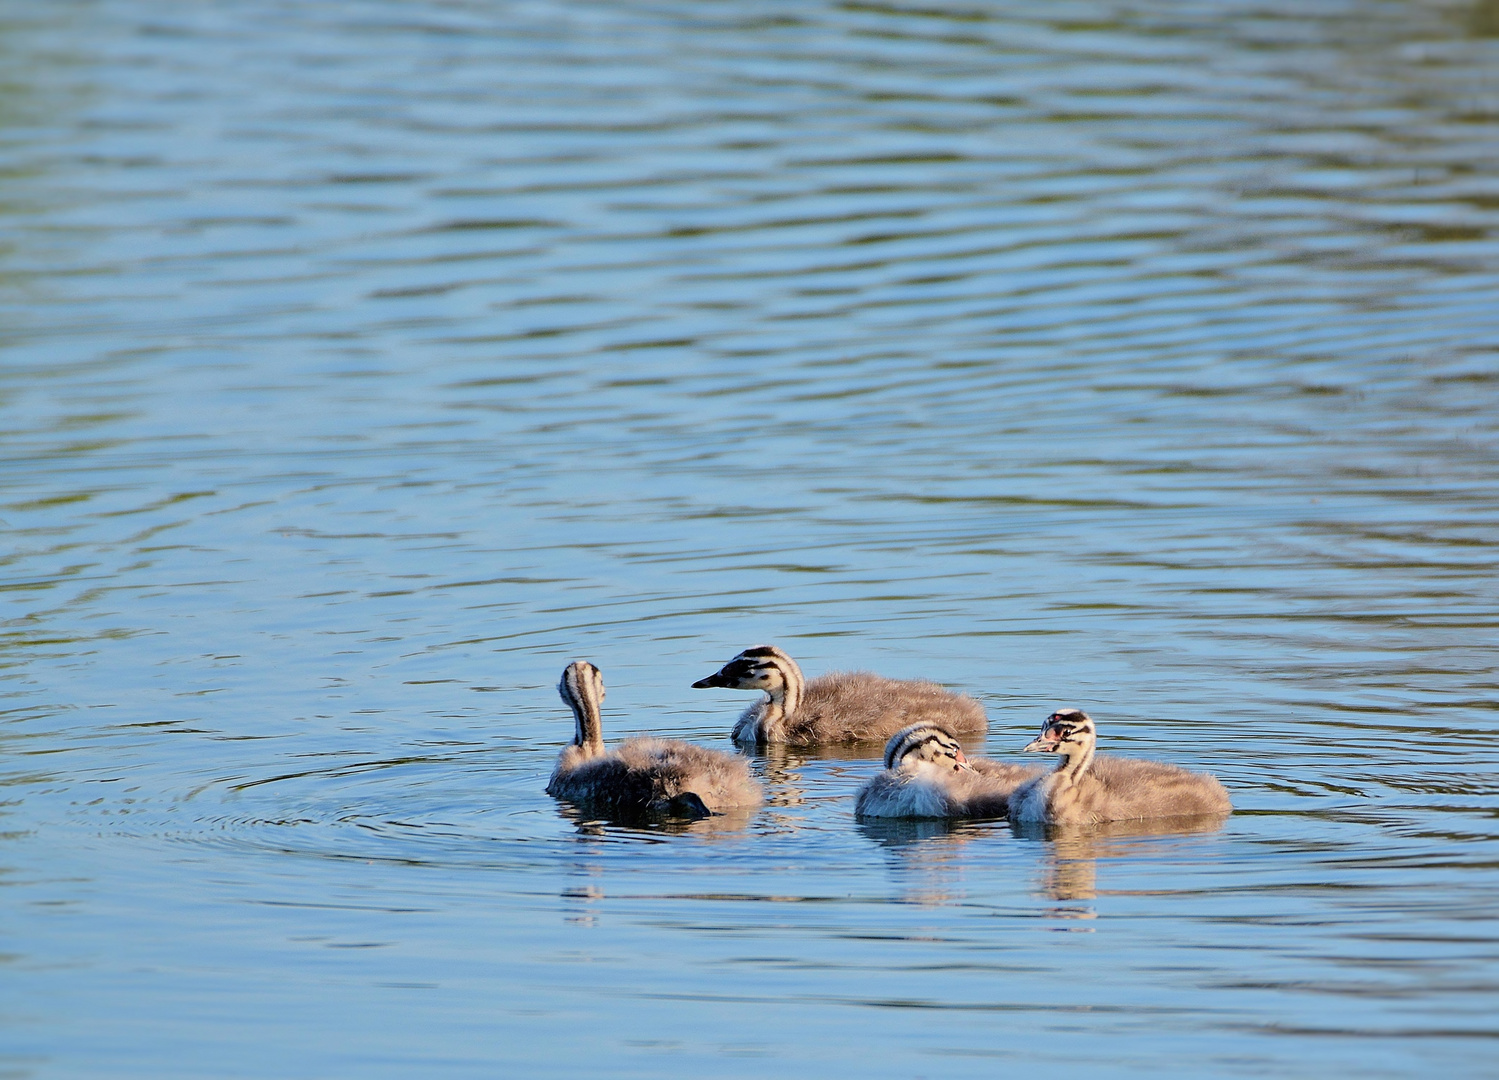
{"x":365,"y":362}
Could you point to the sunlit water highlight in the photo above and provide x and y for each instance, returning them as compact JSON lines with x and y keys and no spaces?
{"x":365,"y":363}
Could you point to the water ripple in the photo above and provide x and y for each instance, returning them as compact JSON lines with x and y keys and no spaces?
{"x":363,"y":364}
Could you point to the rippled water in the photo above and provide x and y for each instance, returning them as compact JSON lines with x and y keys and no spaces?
{"x":365,"y":363}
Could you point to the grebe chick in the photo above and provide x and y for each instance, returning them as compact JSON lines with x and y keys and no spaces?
{"x":840,"y":707}
{"x":641,"y":776}
{"x":928,"y":776}
{"x":1084,"y":789}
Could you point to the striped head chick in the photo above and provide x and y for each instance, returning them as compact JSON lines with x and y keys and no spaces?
{"x":1082,"y":791}
{"x":926,"y":776}
{"x":923,"y":749}
{"x":582,"y":690}
{"x":1069,"y":732}
{"x":772,"y":671}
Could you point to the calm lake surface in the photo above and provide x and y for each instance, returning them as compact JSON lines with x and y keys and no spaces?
{"x":364,"y":363}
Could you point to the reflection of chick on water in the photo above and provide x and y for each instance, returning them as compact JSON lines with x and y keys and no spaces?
{"x":642,"y":776}
{"x":593,"y":822}
{"x":1073,"y":851}
{"x":930,"y":859}
{"x":1071,"y":871}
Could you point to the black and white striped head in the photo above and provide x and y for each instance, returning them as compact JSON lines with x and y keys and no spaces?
{"x":580,"y":684}
{"x":582,"y":688}
{"x":1066,"y":731}
{"x":922,"y":745}
{"x":764,"y":667}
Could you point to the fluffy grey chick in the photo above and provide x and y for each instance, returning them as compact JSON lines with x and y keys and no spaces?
{"x":642,"y":777}
{"x":840,"y":707}
{"x":927,"y":775}
{"x":1084,"y":789}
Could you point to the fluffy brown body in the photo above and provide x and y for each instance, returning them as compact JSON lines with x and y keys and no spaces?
{"x":859,"y":706}
{"x":927,"y":775}
{"x":653,"y":776}
{"x":839,"y":707}
{"x":641,"y":776}
{"x":985,"y":792}
{"x":1086,"y":788}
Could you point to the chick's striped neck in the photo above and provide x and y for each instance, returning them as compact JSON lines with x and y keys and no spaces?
{"x":784,"y":689}
{"x":581,"y":685}
{"x":1077,"y":750}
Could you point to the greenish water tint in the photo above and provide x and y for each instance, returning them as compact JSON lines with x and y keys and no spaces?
{"x":365,"y":363}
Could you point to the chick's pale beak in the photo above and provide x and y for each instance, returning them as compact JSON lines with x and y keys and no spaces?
{"x":962,"y":762}
{"x":1045,"y":743}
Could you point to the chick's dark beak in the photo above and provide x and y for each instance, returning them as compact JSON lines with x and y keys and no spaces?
{"x":716,"y":679}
